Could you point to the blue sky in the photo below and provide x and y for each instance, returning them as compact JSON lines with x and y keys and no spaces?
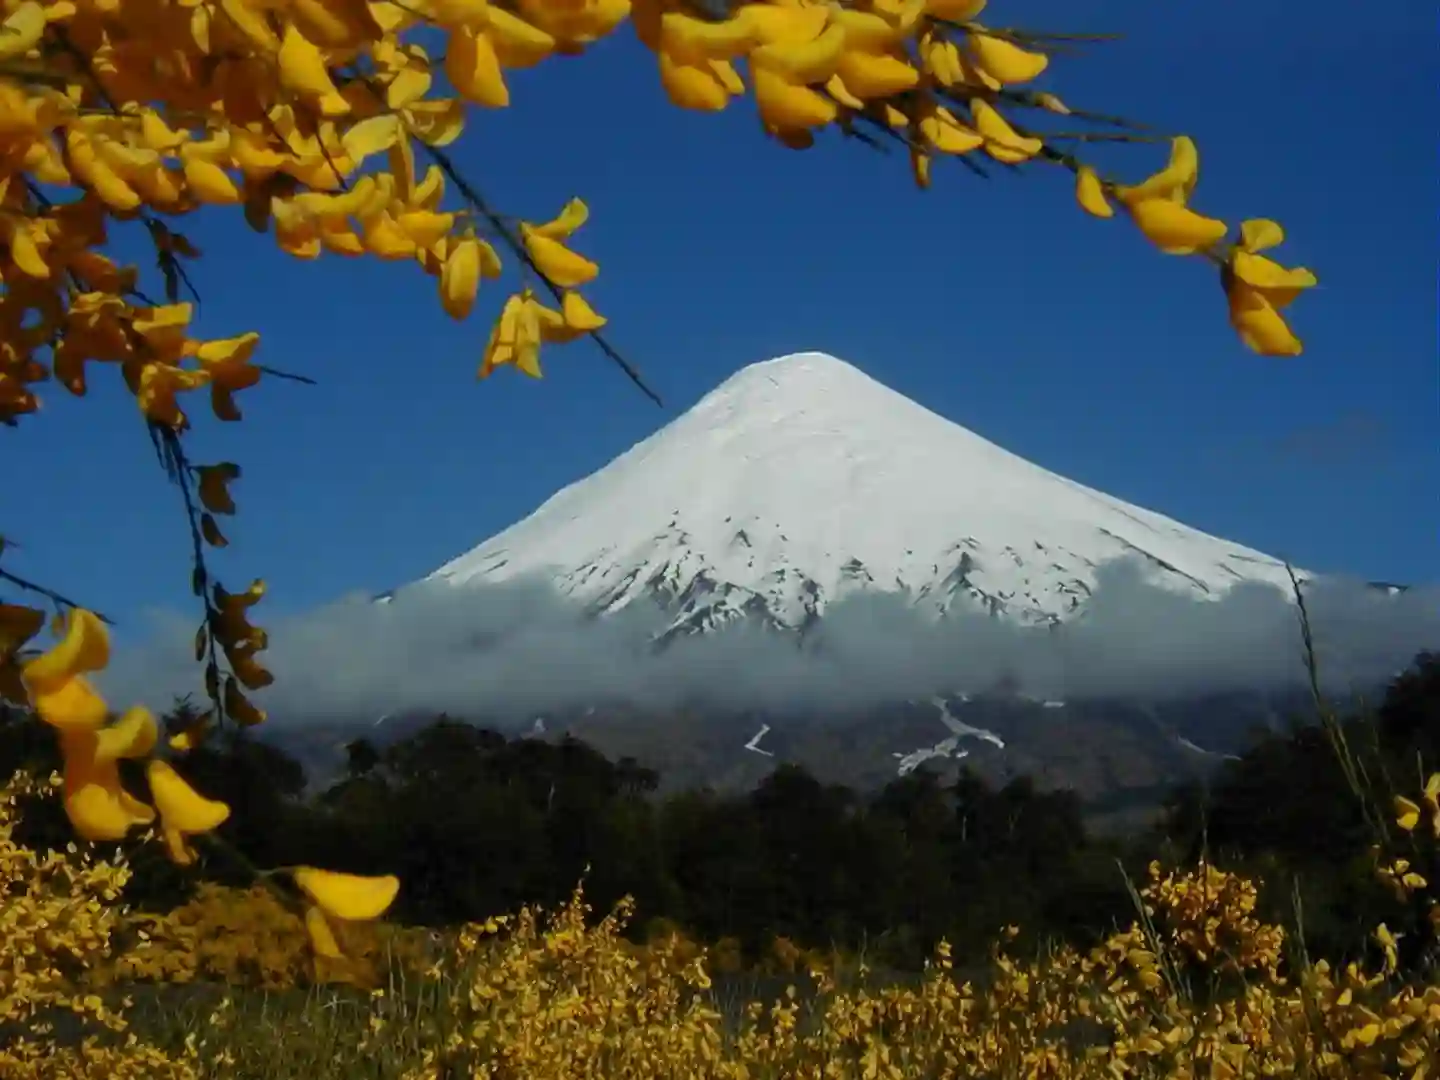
{"x":999,"y":305}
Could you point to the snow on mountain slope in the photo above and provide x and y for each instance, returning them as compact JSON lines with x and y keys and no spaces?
{"x":801,"y":479}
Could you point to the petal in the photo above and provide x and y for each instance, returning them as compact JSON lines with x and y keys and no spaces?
{"x":574,"y":214}
{"x":347,"y":896}
{"x":518,"y":44}
{"x":1407,"y":814}
{"x":181,"y":853}
{"x":184,"y":809}
{"x":322,"y":937}
{"x":132,"y":736}
{"x":689,"y":86}
{"x":460,"y":278}
{"x":72,"y":704}
{"x":693,"y":41}
{"x":371,"y":136}
{"x":85,"y":646}
{"x":97,"y":806}
{"x":579,"y":315}
{"x":1005,"y":60}
{"x":1259,"y":325}
{"x":1090,"y":193}
{"x":1176,"y":229}
{"x":227,"y":351}
{"x":1175,"y":182}
{"x":474,"y":68}
{"x":1280,"y":285}
{"x":784,"y":104}
{"x":1002,"y":142}
{"x":561,"y":266}
{"x":942,"y":130}
{"x":1257,"y":234}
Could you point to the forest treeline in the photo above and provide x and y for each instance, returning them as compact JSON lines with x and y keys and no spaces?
{"x":476,"y":823}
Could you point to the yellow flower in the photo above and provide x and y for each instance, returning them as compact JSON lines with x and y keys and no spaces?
{"x":555,"y":261}
{"x":1158,"y":204}
{"x":460,"y":277}
{"x":1407,"y":814}
{"x":55,"y":680}
{"x":351,"y":897}
{"x":515,"y":338}
{"x":1259,"y":288}
{"x":227,"y":363}
{"x":84,"y":646}
{"x":183,"y":811}
{"x":70,"y":705}
{"x":1090,"y":193}
{"x":1430,"y":797}
{"x":132,"y":736}
{"x":97,"y":805}
{"x":1388,"y":945}
{"x":1003,"y":60}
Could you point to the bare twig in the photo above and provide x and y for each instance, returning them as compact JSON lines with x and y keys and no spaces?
{"x":50,"y":594}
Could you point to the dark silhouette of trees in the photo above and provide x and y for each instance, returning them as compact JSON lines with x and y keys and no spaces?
{"x":477,"y":823}
{"x":1289,"y":812}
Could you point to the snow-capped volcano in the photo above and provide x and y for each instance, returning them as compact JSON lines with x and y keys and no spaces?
{"x":801,"y":479}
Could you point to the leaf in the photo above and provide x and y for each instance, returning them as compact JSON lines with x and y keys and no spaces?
{"x":183,"y":247}
{"x":211,"y":532}
{"x":212,"y":683}
{"x":171,"y":272}
{"x":202,"y":642}
{"x":215,"y":483}
{"x":18,"y":624}
{"x":240,"y":708}
{"x":12,"y":687}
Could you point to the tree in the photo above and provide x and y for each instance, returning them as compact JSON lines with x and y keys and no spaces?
{"x":318,"y":121}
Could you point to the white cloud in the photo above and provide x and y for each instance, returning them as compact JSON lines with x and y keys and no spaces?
{"x":518,"y":649}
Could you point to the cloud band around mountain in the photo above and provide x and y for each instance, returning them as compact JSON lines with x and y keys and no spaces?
{"x":517,"y":649}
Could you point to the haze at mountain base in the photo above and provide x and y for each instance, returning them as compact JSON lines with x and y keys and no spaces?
{"x":520,"y":648}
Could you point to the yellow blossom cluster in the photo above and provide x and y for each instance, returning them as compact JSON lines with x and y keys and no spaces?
{"x":1210,"y":915}
{"x":252,"y":938}
{"x":558,"y":995}
{"x":1419,"y":819}
{"x":57,"y":922}
{"x":125,"y":110}
{"x":100,"y":807}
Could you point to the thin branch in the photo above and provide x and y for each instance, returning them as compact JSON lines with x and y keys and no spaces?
{"x":50,"y":594}
{"x":287,"y":375}
{"x":1103,"y":136}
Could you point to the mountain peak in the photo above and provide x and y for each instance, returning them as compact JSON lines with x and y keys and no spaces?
{"x":796,"y":374}
{"x":801,"y":479}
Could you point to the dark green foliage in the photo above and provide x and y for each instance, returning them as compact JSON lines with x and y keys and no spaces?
{"x":1289,"y":813}
{"x":476,"y":823}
